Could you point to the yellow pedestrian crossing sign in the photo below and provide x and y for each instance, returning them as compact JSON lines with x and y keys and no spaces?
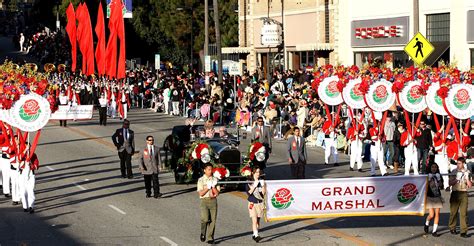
{"x":419,"y":48}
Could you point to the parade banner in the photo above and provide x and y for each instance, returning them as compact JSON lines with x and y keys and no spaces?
{"x":433,"y":101}
{"x":411,"y":97}
{"x":459,"y":103}
{"x":328,"y":91}
{"x":351,"y":94}
{"x":380,"y":97}
{"x":79,"y":112}
{"x":30,"y":113}
{"x":345,"y":197}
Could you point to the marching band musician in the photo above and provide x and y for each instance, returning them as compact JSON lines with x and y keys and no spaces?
{"x":4,"y":162}
{"x":376,"y":151}
{"x":329,"y":143}
{"x":355,"y":134}
{"x":102,"y":110}
{"x":28,"y":166}
{"x":63,"y":100}
{"x":440,"y":156}
{"x":15,"y":170}
{"x":411,"y":153}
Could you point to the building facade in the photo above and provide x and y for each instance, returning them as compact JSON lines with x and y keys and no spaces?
{"x":376,"y":32}
{"x":360,"y":32}
{"x":309,"y":33}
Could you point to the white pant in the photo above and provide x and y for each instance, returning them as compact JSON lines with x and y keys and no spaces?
{"x":125,"y":108}
{"x":376,"y":157}
{"x":15,"y":177}
{"x":5,"y":167}
{"x":356,"y":154}
{"x":167,"y":106}
{"x":330,"y":150}
{"x":27,"y":188}
{"x":21,"y":46}
{"x":443,"y":164}
{"x":175,"y":107}
{"x":411,"y":159}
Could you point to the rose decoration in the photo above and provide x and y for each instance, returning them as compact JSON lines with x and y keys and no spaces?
{"x":220,"y":172}
{"x":246,"y":171}
{"x":30,"y":110}
{"x":407,"y":193}
{"x":254,"y":148}
{"x":282,"y":198}
{"x":462,"y":99}
{"x":381,"y":94}
{"x":443,"y":92}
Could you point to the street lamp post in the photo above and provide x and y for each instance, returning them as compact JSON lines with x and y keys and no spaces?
{"x":191,"y":38}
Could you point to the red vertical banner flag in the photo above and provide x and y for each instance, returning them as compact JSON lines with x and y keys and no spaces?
{"x":71,"y":31}
{"x":80,"y":34}
{"x":88,"y":42}
{"x":111,"y":51}
{"x":121,"y":35}
{"x":100,"y":48}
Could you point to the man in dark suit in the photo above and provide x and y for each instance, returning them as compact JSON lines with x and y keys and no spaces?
{"x":149,"y":166}
{"x":124,"y":140}
{"x":297,"y":155}
{"x":262,"y":134}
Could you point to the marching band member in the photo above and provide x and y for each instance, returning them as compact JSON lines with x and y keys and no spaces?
{"x":63,"y":100}
{"x":411,"y":153}
{"x":440,"y":157}
{"x":28,"y":166}
{"x":330,"y":143}
{"x":376,"y":152}
{"x":102,"y":110}
{"x":4,"y":161}
{"x":15,"y":170}
{"x":355,"y":134}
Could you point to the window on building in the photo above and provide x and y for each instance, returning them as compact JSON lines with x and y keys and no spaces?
{"x":437,"y":27}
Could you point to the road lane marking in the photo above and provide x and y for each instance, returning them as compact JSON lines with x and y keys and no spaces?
{"x":323,"y":227}
{"x":50,"y":168}
{"x":169,"y":241}
{"x":79,"y":186}
{"x":117,"y":209}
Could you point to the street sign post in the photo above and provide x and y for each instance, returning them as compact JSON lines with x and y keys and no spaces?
{"x":207,"y":64}
{"x":419,"y":49}
{"x":157,"y":62}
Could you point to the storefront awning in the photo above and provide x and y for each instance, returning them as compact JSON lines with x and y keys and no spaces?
{"x":236,"y":50}
{"x":440,"y":48}
{"x":314,"y":46}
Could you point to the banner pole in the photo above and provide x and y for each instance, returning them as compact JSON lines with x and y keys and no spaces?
{"x":460,"y":135}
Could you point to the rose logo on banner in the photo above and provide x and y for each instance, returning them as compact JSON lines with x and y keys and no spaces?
{"x":331,"y":89}
{"x":380,"y":96}
{"x":433,"y":101}
{"x":30,"y":111}
{"x":352,"y":95}
{"x":407,"y":193}
{"x":328,"y":91}
{"x":282,"y":198}
{"x":411,"y":97}
{"x":462,"y":99}
{"x":458,"y":103}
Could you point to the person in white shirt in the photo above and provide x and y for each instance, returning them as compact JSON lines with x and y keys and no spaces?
{"x":102,"y":110}
{"x":22,"y":41}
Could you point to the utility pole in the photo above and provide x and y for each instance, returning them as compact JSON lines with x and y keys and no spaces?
{"x":218,"y":40}
{"x":206,"y":32}
{"x":416,"y":16}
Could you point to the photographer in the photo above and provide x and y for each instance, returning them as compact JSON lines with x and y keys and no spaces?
{"x":256,"y":193}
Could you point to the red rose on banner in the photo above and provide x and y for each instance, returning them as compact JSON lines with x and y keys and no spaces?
{"x":407,"y":193}
{"x":380,"y":94}
{"x":443,"y":92}
{"x":462,"y":99}
{"x":340,"y":86}
{"x":283,"y":195}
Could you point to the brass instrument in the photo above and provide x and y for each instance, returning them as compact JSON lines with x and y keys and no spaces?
{"x":61,"y":68}
{"x":31,"y":66}
{"x":15,"y":66}
{"x":49,"y":67}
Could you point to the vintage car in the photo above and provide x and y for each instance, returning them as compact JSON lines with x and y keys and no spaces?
{"x":190,"y":151}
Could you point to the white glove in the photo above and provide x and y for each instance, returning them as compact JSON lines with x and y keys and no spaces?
{"x":255,"y":183}
{"x":459,"y":176}
{"x":209,"y":185}
{"x":430,"y":176}
{"x":262,"y":182}
{"x":438,"y":176}
{"x":214,"y":183}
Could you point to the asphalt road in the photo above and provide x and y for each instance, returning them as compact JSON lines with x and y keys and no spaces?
{"x":81,"y":199}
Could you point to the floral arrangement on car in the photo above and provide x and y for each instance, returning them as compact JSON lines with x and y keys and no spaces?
{"x":220,"y":171}
{"x":199,"y":150}
{"x":256,"y":151}
{"x":245,"y":171}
